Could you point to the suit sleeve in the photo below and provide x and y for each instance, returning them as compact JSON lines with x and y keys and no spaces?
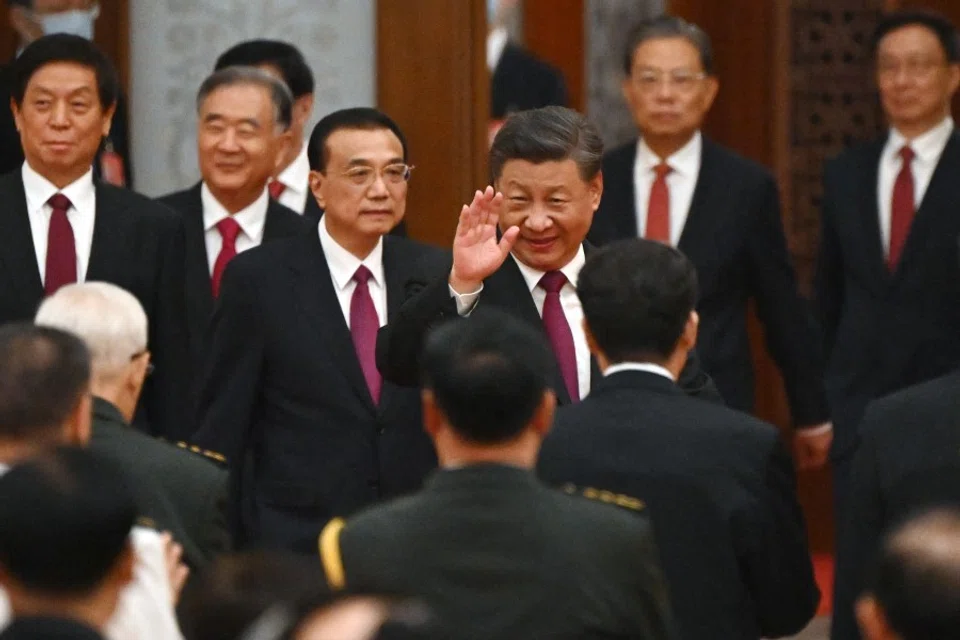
{"x":859,"y":534}
{"x":166,"y":390}
{"x":696,"y":382}
{"x":231,"y":379}
{"x":829,"y":276}
{"x":772,"y":547}
{"x":791,"y":333}
{"x":652,"y":616}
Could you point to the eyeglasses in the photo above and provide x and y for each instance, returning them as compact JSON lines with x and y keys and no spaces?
{"x":140,"y":354}
{"x":683,"y":81}
{"x":913,"y":68}
{"x":391,"y":174}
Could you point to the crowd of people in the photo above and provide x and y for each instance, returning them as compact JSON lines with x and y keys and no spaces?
{"x":255,"y":408}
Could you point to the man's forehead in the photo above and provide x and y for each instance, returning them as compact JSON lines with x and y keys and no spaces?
{"x":238,"y":98}
{"x":551,"y":174}
{"x":359,"y":144}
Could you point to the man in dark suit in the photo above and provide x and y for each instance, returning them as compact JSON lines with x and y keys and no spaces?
{"x":65,"y":553}
{"x":519,"y":80}
{"x":61,"y":226}
{"x":546,"y":163}
{"x":886,"y":283}
{"x":177,"y":491}
{"x":723,"y":211}
{"x":718,"y":484}
{"x":291,"y":184}
{"x":244,"y":118}
{"x":292,"y":396}
{"x":908,"y":460}
{"x":491,"y":550}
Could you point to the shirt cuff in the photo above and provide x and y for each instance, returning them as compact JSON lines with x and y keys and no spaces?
{"x":816,"y":431}
{"x":465,"y":301}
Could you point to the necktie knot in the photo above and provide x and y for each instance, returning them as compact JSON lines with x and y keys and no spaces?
{"x":553,"y":281}
{"x":229,"y":230}
{"x":907,"y":154}
{"x":276,"y":188}
{"x":362,"y":275}
{"x":59,"y":202}
{"x":662,"y":170}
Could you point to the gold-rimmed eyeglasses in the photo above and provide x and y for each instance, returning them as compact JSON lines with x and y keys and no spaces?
{"x":648,"y":80}
{"x":392,"y":174}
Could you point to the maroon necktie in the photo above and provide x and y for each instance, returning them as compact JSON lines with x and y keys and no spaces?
{"x":558,"y":330}
{"x":902,"y":208}
{"x":229,"y":230}
{"x":364,"y":325}
{"x":658,"y":207}
{"x":61,"y":265}
{"x":276,"y":189}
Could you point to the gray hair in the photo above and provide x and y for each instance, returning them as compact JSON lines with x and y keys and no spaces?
{"x":107,"y":318}
{"x":668,"y":27}
{"x":232,"y":76}
{"x":550,"y":134}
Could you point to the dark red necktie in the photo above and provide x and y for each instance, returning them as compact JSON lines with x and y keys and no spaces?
{"x":229,"y":230}
{"x":902,"y":209}
{"x":658,"y":207}
{"x":364,"y":324}
{"x":61,"y":264}
{"x":276,"y":189}
{"x":558,"y":331}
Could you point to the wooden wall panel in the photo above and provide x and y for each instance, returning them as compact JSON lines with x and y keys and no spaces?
{"x":432,"y":79}
{"x":553,"y":30}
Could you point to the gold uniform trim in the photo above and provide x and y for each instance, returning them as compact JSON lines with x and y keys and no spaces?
{"x":213,"y":455}
{"x":329,"y":544}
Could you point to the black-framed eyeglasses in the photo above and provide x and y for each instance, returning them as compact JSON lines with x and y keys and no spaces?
{"x":140,"y":354}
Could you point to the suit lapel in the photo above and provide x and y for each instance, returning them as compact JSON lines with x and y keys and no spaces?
{"x":869,"y":212}
{"x":622,"y":192}
{"x":17,"y":251}
{"x":398,"y":267}
{"x":112,"y":237}
{"x":318,"y":302}
{"x":197,"y":267}
{"x":707,"y":194}
{"x":273,"y":224}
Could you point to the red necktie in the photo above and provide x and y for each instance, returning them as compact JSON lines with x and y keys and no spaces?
{"x":276,"y":189}
{"x":229,"y":230}
{"x":364,"y":324}
{"x":61,"y":264}
{"x":658,"y":207}
{"x":558,"y":331}
{"x":902,"y":208}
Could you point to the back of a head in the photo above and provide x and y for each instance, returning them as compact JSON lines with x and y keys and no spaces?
{"x":354,"y":118}
{"x":65,"y":517}
{"x":488,"y":374}
{"x":548,"y":134}
{"x":916,"y":582}
{"x":283,"y":56}
{"x":637,"y":296}
{"x":67,"y":48}
{"x":44,"y":376}
{"x":110,"y":320}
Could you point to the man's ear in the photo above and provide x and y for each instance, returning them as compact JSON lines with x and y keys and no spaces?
{"x":79,"y":426}
{"x":316,"y":188}
{"x":432,"y":417}
{"x":303,"y":109}
{"x":543,"y":417}
{"x":688,"y":339}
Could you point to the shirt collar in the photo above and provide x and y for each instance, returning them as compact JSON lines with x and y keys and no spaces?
{"x":296,"y":176}
{"x":685,"y":160}
{"x":647,"y":367}
{"x":928,"y":146}
{"x":38,"y":189}
{"x":343,"y":264}
{"x":571,"y":270}
{"x":496,"y":43}
{"x":251,"y":219}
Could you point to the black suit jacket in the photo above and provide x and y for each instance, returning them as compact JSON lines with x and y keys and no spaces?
{"x":177,"y":491}
{"x":734,"y":237}
{"x":886,"y":331}
{"x":498,"y":555}
{"x":522,"y":81}
{"x":313,"y":213}
{"x":48,"y":628}
{"x":285,"y":399}
{"x":908,"y":461}
{"x":719,"y":488}
{"x":137,"y":245}
{"x":280,"y":222}
{"x":400,"y":342}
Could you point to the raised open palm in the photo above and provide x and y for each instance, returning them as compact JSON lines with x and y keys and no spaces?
{"x":476,"y":251}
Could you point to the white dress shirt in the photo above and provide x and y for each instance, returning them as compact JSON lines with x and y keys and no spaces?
{"x":343,"y":265}
{"x":82,"y":215}
{"x":647,"y":367}
{"x":251,"y":221}
{"x":681,"y":182}
{"x":927,"y":148}
{"x":296,"y":180}
{"x":496,"y":43}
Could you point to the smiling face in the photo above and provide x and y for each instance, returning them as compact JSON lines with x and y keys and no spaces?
{"x":552,"y":205}
{"x":61,"y":121}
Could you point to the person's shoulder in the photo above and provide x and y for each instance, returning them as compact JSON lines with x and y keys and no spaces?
{"x":619,"y":155}
{"x":145,"y":208}
{"x":388,"y":521}
{"x":178,"y":200}
{"x":898,"y":414}
{"x":288,"y":217}
{"x":180,"y":459}
{"x":594,"y":515}
{"x":734,"y":163}
{"x":855,"y":155}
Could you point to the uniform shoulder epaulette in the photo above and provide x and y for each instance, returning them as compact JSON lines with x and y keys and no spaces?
{"x":213,"y":455}
{"x":602,"y":495}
